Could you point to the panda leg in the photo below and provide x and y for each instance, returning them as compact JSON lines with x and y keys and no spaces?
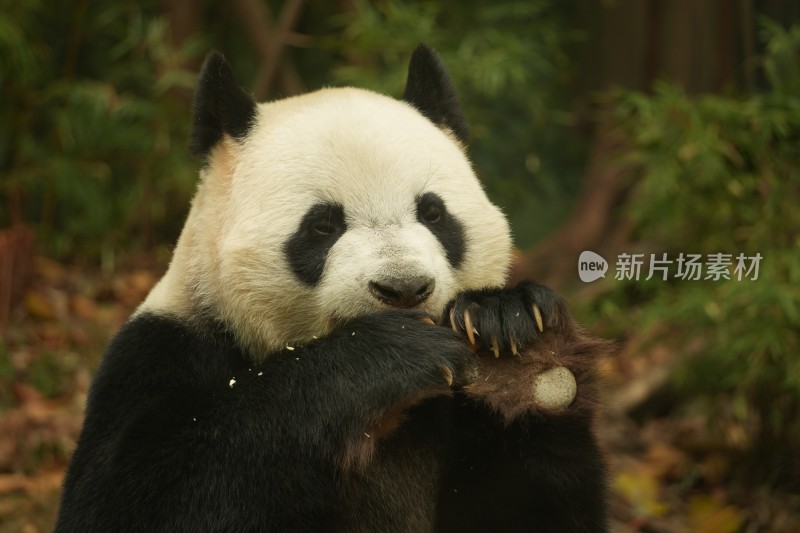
{"x":519,"y":459}
{"x":534,"y":475}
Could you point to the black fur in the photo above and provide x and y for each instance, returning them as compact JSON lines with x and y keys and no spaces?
{"x":432,"y":213}
{"x":220,"y":106}
{"x":169,"y":445}
{"x":295,"y":443}
{"x":429,"y":89}
{"x":307,"y":250}
{"x":537,"y":474}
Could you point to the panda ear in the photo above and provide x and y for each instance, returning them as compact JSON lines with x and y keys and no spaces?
{"x":429,"y":89}
{"x":220,"y":106}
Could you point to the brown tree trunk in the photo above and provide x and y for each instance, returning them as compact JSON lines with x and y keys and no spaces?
{"x":593,"y":220}
{"x":689,"y":43}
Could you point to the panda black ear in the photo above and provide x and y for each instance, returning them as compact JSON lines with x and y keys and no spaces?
{"x":429,"y":89}
{"x":220,"y":106}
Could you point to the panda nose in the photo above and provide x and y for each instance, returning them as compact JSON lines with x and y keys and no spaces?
{"x":403,"y":292}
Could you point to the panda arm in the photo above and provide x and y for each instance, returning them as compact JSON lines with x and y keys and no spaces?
{"x":536,"y":474}
{"x":514,"y":464}
{"x":185,"y":433}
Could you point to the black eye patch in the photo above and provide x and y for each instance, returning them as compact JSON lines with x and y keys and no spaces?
{"x":307,"y":249}
{"x":432,"y":213}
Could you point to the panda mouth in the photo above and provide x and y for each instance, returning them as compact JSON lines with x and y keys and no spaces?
{"x":339,"y":319}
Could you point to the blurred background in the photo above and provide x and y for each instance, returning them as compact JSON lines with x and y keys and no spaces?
{"x":617,"y":126}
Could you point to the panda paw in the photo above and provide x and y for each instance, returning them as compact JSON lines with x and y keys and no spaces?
{"x":405,"y":338}
{"x":533,"y":357}
{"x":507,"y":321}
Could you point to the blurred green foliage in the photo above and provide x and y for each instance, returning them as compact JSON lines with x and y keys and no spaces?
{"x":95,"y":121}
{"x":52,"y":373}
{"x":509,"y":64}
{"x":92,"y":136}
{"x":95,"y":118}
{"x":722,"y":174}
{"x":6,"y":377}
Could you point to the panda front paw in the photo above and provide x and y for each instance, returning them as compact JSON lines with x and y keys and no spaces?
{"x":392,"y":362}
{"x":532,"y":356}
{"x":508,"y":320}
{"x":402,"y":351}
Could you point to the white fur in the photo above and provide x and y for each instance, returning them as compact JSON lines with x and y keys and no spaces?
{"x":367,"y":152}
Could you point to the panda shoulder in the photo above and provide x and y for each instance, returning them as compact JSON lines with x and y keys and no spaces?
{"x":155,"y":352}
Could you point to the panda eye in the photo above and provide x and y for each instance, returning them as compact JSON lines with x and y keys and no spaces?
{"x":432,"y":214}
{"x":324,"y":227}
{"x":324,"y":220}
{"x":430,"y":209}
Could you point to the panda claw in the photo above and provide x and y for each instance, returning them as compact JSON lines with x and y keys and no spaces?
{"x":513,"y":346}
{"x":468,"y":326}
{"x":495,"y":349}
{"x":447,"y":374}
{"x":453,"y":320}
{"x":537,"y":314}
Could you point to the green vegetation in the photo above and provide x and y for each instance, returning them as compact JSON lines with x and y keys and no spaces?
{"x":722,"y":174}
{"x":52,"y":374}
{"x":6,"y":376}
{"x":92,"y":137}
{"x":94,"y":132}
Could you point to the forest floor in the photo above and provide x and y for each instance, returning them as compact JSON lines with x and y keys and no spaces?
{"x":668,"y":473}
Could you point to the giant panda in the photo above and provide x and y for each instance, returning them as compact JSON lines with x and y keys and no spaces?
{"x":332,"y":347}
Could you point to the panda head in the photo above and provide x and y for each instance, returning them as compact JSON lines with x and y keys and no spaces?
{"x":319,"y":208}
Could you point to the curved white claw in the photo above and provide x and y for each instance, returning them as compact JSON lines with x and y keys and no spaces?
{"x":537,"y":314}
{"x":447,"y":374}
{"x":453,"y":320}
{"x":495,"y":349}
{"x":469,"y":328}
